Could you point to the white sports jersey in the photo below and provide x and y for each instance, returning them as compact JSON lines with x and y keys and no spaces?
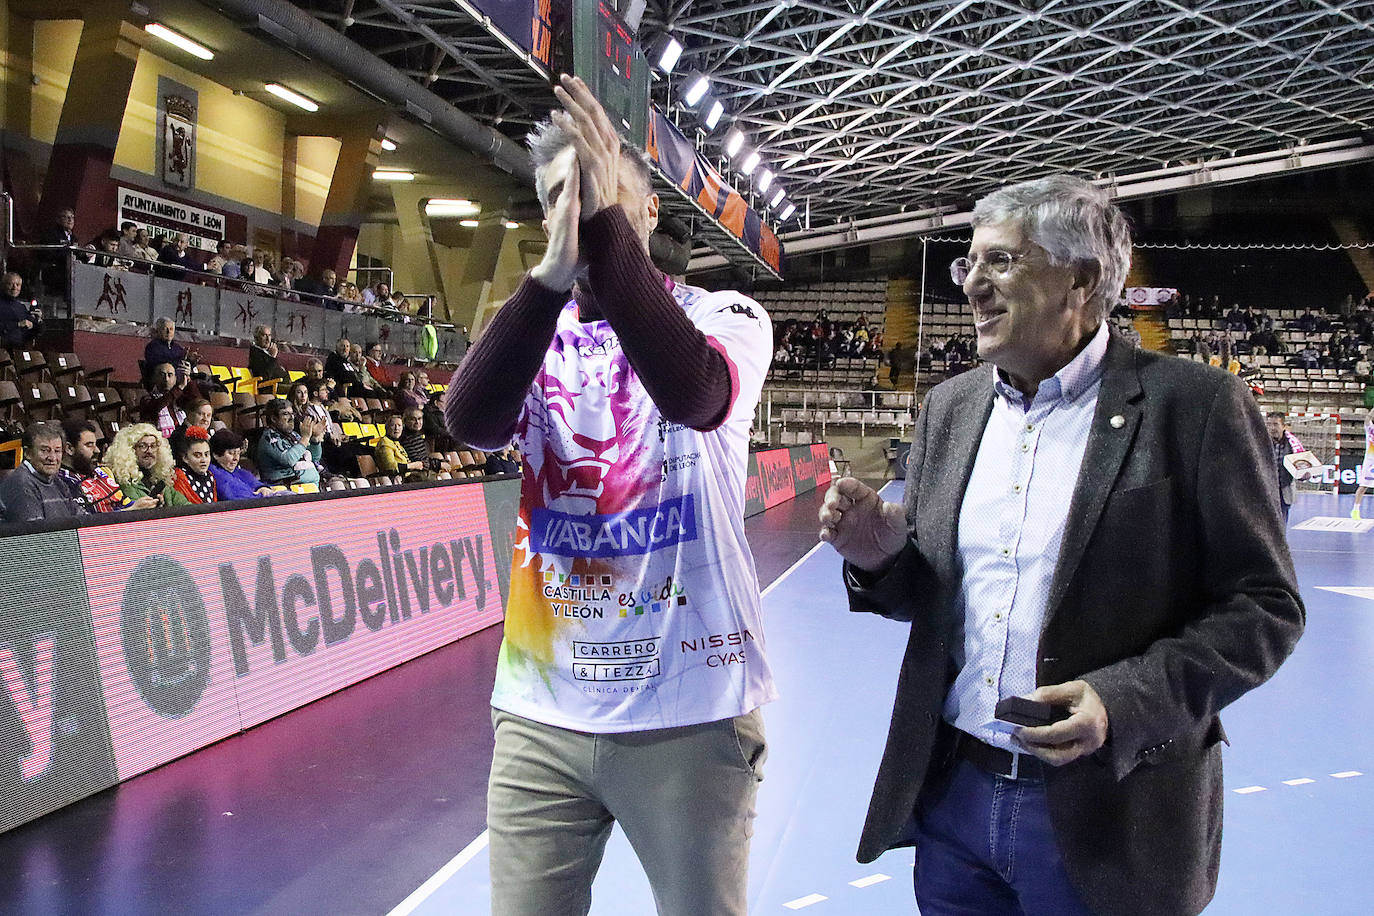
{"x":634,"y":603}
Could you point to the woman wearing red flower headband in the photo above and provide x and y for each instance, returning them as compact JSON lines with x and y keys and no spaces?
{"x":192,"y":478}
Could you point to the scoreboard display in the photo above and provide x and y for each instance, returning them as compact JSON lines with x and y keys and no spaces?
{"x":607,"y":55}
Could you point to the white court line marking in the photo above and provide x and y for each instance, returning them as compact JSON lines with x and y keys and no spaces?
{"x":421,"y":893}
{"x":1346,"y":775}
{"x":1301,"y":781}
{"x":803,"y":902}
{"x":871,"y":879}
{"x":1247,"y":790}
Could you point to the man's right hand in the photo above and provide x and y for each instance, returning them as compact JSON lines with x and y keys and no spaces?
{"x":861,"y":526}
{"x":146,"y":502}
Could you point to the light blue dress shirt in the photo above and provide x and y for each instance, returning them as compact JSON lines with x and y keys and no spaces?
{"x":1011,"y":524}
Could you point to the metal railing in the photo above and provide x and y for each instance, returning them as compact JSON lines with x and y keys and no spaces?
{"x":786,"y":409}
{"x":95,"y":286}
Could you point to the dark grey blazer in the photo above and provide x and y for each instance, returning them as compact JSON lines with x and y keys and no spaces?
{"x":1174,"y":594}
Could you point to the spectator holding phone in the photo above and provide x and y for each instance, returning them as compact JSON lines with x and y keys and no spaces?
{"x":165,"y":404}
{"x":141,"y":461}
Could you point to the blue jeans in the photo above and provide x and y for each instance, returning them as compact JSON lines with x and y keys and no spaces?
{"x":985,"y":845}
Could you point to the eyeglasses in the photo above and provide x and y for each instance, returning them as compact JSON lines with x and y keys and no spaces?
{"x":998,"y":263}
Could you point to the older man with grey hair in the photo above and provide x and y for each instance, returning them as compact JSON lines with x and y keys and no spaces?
{"x":1090,"y":527}
{"x":35,"y":490}
{"x":262,"y":356}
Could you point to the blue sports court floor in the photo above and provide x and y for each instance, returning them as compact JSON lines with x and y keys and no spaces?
{"x":370,"y":802}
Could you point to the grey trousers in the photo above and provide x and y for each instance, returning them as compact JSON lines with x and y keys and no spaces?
{"x":684,"y":797}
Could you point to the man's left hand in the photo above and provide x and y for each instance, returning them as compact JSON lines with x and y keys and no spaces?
{"x":1084,"y":731}
{"x":596,"y":142}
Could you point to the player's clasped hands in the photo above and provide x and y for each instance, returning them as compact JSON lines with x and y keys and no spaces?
{"x":865,"y":529}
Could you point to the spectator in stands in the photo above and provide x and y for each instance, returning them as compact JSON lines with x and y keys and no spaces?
{"x":596,"y":280}
{"x":199,"y":412}
{"x":505,"y":461}
{"x":379,"y":295}
{"x":1362,"y":366}
{"x":323,"y":285}
{"x":307,"y":410}
{"x":357,"y":359}
{"x":416,"y":443}
{"x":53,"y":264}
{"x":1236,"y":320}
{"x":107,"y":257}
{"x":372,"y":362}
{"x":393,"y":459}
{"x":143,"y":248}
{"x":128,"y":239}
{"x":20,"y":318}
{"x":232,"y":479}
{"x":409,"y":394}
{"x":141,"y":461}
{"x":224,"y":255}
{"x":262,"y":356}
{"x":1307,"y":358}
{"x":349,"y":292}
{"x":343,"y":372}
{"x":338,"y":458}
{"x":165,"y":404}
{"x":163,"y":348}
{"x":284,"y":453}
{"x":251,"y":268}
{"x":192,"y":478}
{"x":96,"y":487}
{"x":35,"y":490}
{"x":177,"y":257}
{"x":314,"y":371}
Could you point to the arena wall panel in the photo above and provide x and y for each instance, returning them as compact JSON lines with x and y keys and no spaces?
{"x":124,"y":646}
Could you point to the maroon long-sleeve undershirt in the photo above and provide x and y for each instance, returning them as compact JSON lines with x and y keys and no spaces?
{"x":687,"y":378}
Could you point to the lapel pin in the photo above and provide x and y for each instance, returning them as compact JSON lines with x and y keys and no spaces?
{"x":1118,"y":421}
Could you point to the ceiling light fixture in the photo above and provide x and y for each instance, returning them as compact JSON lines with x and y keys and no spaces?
{"x":393,"y":175}
{"x":181,"y":41}
{"x":697,"y":84}
{"x":388,"y":144}
{"x":777,"y":197}
{"x":765,"y":179}
{"x":443,"y":206}
{"x":469,"y":223}
{"x":668,"y":53}
{"x":512,"y":224}
{"x":295,"y":98}
{"x":786,"y":212}
{"x":713,"y":115}
{"x":734,"y":143}
{"x":750,"y":163}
